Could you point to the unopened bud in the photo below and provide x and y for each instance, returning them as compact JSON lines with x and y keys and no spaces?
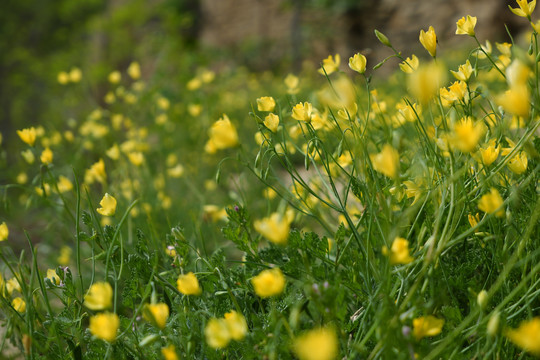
{"x":382,"y":38}
{"x":493,"y":324}
{"x":482,"y":299}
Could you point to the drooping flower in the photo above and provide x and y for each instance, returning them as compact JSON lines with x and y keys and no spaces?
{"x":104,"y":326}
{"x":399,"y":252}
{"x":269,"y":283}
{"x":188,"y":284}
{"x":317,"y":344}
{"x":358,"y":62}
{"x":28,"y":135}
{"x":330,"y":64}
{"x":525,"y":8}
{"x":156,"y":314}
{"x":108,"y":205}
{"x":271,"y":121}
{"x":491,"y":203}
{"x":275,"y":228}
{"x":266,"y":103}
{"x":465,"y":26}
{"x":386,"y":162}
{"x":427,"y":326}
{"x":527,"y":335}
{"x":302,"y":112}
{"x":99,"y":296}
{"x":4,"y":231}
{"x":237,"y":325}
{"x":217,"y":333}
{"x":429,"y":41}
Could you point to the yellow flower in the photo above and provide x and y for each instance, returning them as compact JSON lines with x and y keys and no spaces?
{"x":99,"y":296}
{"x":96,"y":173}
{"x":358,"y":63}
{"x":275,"y":228}
{"x":330,"y":64}
{"x":53,"y":277}
{"x":486,"y":50}
{"x":467,"y":134}
{"x":466,"y":26}
{"x":399,"y":252}
{"x":525,"y":8}
{"x":489,"y":152}
{"x":490,"y":203}
{"x":156,"y":314}
{"x":515,"y":100}
{"x":269,"y":283}
{"x":237,"y":325}
{"x":169,"y":353}
{"x":426,"y":81}
{"x":291,"y":82}
{"x":223,"y":134}
{"x":188,"y":284}
{"x":386,"y":162}
{"x":317,"y":344}
{"x":163,"y":103}
{"x":46,"y":156}
{"x":271,"y":121}
{"x":65,"y":256}
{"x":266,"y":103}
{"x":28,"y":135}
{"x":427,"y":326}
{"x":464,"y":71}
{"x":414,"y":189}
{"x":302,"y":112}
{"x":13,"y":285}
{"x":108,"y":205}
{"x":217,"y":333}
{"x":473,"y":219}
{"x":115,"y":77}
{"x":19,"y":304}
{"x":429,"y":41}
{"x":136,"y":158}
{"x":4,"y":231}
{"x":194,"y":84}
{"x":64,"y":184}
{"x":518,"y":164}
{"x":62,"y":77}
{"x":176,"y":171}
{"x":409,"y":65}
{"x":134,"y":70}
{"x":527,"y":335}
{"x":104,"y":326}
{"x":75,"y":75}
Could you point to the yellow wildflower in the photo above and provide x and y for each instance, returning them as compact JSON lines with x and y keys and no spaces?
{"x":194,"y":109}
{"x":525,"y":8}
{"x":108,"y":205}
{"x":65,"y":256}
{"x":266,"y":103}
{"x":427,"y":326}
{"x":386,"y":162}
{"x":464,"y":71}
{"x":134,"y":70}
{"x":489,"y":152}
{"x":19,"y":305}
{"x":269,"y":283}
{"x":46,"y":156}
{"x":136,"y":158}
{"x":96,"y":173}
{"x":302,"y":112}
{"x":176,"y":171}
{"x":358,"y":62}
{"x":4,"y":231}
{"x":64,"y":184}
{"x":409,"y":65}
{"x":75,"y":75}
{"x":491,"y":203}
{"x":13,"y":285}
{"x":275,"y":228}
{"x":163,"y":103}
{"x":156,"y":314}
{"x":518,"y":164}
{"x":465,"y":26}
{"x":515,"y":100}
{"x":426,"y":81}
{"x":330,"y":64}
{"x":194,"y":84}
{"x":99,"y":296}
{"x":169,"y":353}
{"x":271,"y":121}
{"x":481,"y":52}
{"x":399,"y":252}
{"x":223,"y":134}
{"x":317,"y":344}
{"x":28,"y":135}
{"x":527,"y":335}
{"x":217,"y":333}
{"x":104,"y":326}
{"x":188,"y":284}
{"x":429,"y":41}
{"x":473,"y":219}
{"x":237,"y":325}
{"x":53,"y":277}
{"x":467,"y":134}
{"x":62,"y":77}
{"x":207,"y":76}
{"x":414,"y":189}
{"x":291,"y":82}
{"x":115,"y":77}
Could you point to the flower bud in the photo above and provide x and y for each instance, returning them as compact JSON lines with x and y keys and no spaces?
{"x":382,"y":38}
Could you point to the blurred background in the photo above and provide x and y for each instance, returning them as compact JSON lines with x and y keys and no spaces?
{"x":169,"y":37}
